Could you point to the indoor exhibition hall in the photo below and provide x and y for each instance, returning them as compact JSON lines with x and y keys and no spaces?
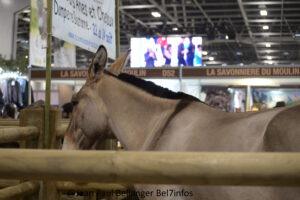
{"x":149,"y":100}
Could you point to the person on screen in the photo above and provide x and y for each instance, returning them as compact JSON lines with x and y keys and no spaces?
{"x":181,"y":52}
{"x":198,"y":56}
{"x":191,"y":53}
{"x":150,"y":57}
{"x":168,"y":54}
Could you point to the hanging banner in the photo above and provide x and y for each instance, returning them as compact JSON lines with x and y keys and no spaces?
{"x":64,"y":54}
{"x":38,"y":33}
{"x":257,"y":72}
{"x":85,"y":23}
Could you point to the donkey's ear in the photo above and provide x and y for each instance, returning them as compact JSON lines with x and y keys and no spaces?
{"x":117,"y":67}
{"x":98,"y":63}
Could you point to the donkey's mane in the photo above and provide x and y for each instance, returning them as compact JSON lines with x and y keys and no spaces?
{"x":154,"y":89}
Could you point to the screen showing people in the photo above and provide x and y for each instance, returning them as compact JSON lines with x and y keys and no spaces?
{"x":169,"y":51}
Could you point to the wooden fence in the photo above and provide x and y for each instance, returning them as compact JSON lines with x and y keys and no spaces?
{"x":185,"y":168}
{"x":28,"y":133}
{"x":49,"y":170}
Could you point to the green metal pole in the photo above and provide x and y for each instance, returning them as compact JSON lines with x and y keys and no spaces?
{"x":48,"y":75}
{"x":117,"y":28}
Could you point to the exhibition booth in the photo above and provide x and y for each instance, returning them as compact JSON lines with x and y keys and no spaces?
{"x":231,"y":89}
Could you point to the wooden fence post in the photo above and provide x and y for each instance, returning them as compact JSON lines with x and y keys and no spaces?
{"x":33,"y":117}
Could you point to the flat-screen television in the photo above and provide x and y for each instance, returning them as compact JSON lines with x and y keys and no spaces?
{"x":169,"y":51}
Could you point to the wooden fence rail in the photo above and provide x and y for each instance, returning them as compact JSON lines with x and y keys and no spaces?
{"x":9,"y":122}
{"x":20,"y":190}
{"x":88,"y":187}
{"x":264,"y":169}
{"x":8,"y":182}
{"x":12,"y":134}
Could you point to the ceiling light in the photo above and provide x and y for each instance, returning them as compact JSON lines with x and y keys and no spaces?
{"x":268,"y":45}
{"x":269,"y":62}
{"x":263,"y":12}
{"x":26,"y":19}
{"x":269,"y":57}
{"x":175,"y":29}
{"x":266,"y":27}
{"x":156,"y":14}
{"x":204,"y":53}
{"x":226,"y":37}
{"x":26,"y":11}
{"x":211,"y":58}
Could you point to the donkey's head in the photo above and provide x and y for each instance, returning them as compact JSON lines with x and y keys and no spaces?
{"x":89,"y":121}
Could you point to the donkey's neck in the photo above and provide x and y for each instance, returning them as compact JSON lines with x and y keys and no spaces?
{"x":135,"y":117}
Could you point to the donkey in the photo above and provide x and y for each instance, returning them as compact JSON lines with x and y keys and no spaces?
{"x":108,"y":104}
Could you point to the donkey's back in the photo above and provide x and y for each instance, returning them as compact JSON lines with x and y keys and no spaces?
{"x":200,"y":128}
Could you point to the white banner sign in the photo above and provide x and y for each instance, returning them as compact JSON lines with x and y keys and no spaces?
{"x":86,"y":23}
{"x":38,"y":33}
